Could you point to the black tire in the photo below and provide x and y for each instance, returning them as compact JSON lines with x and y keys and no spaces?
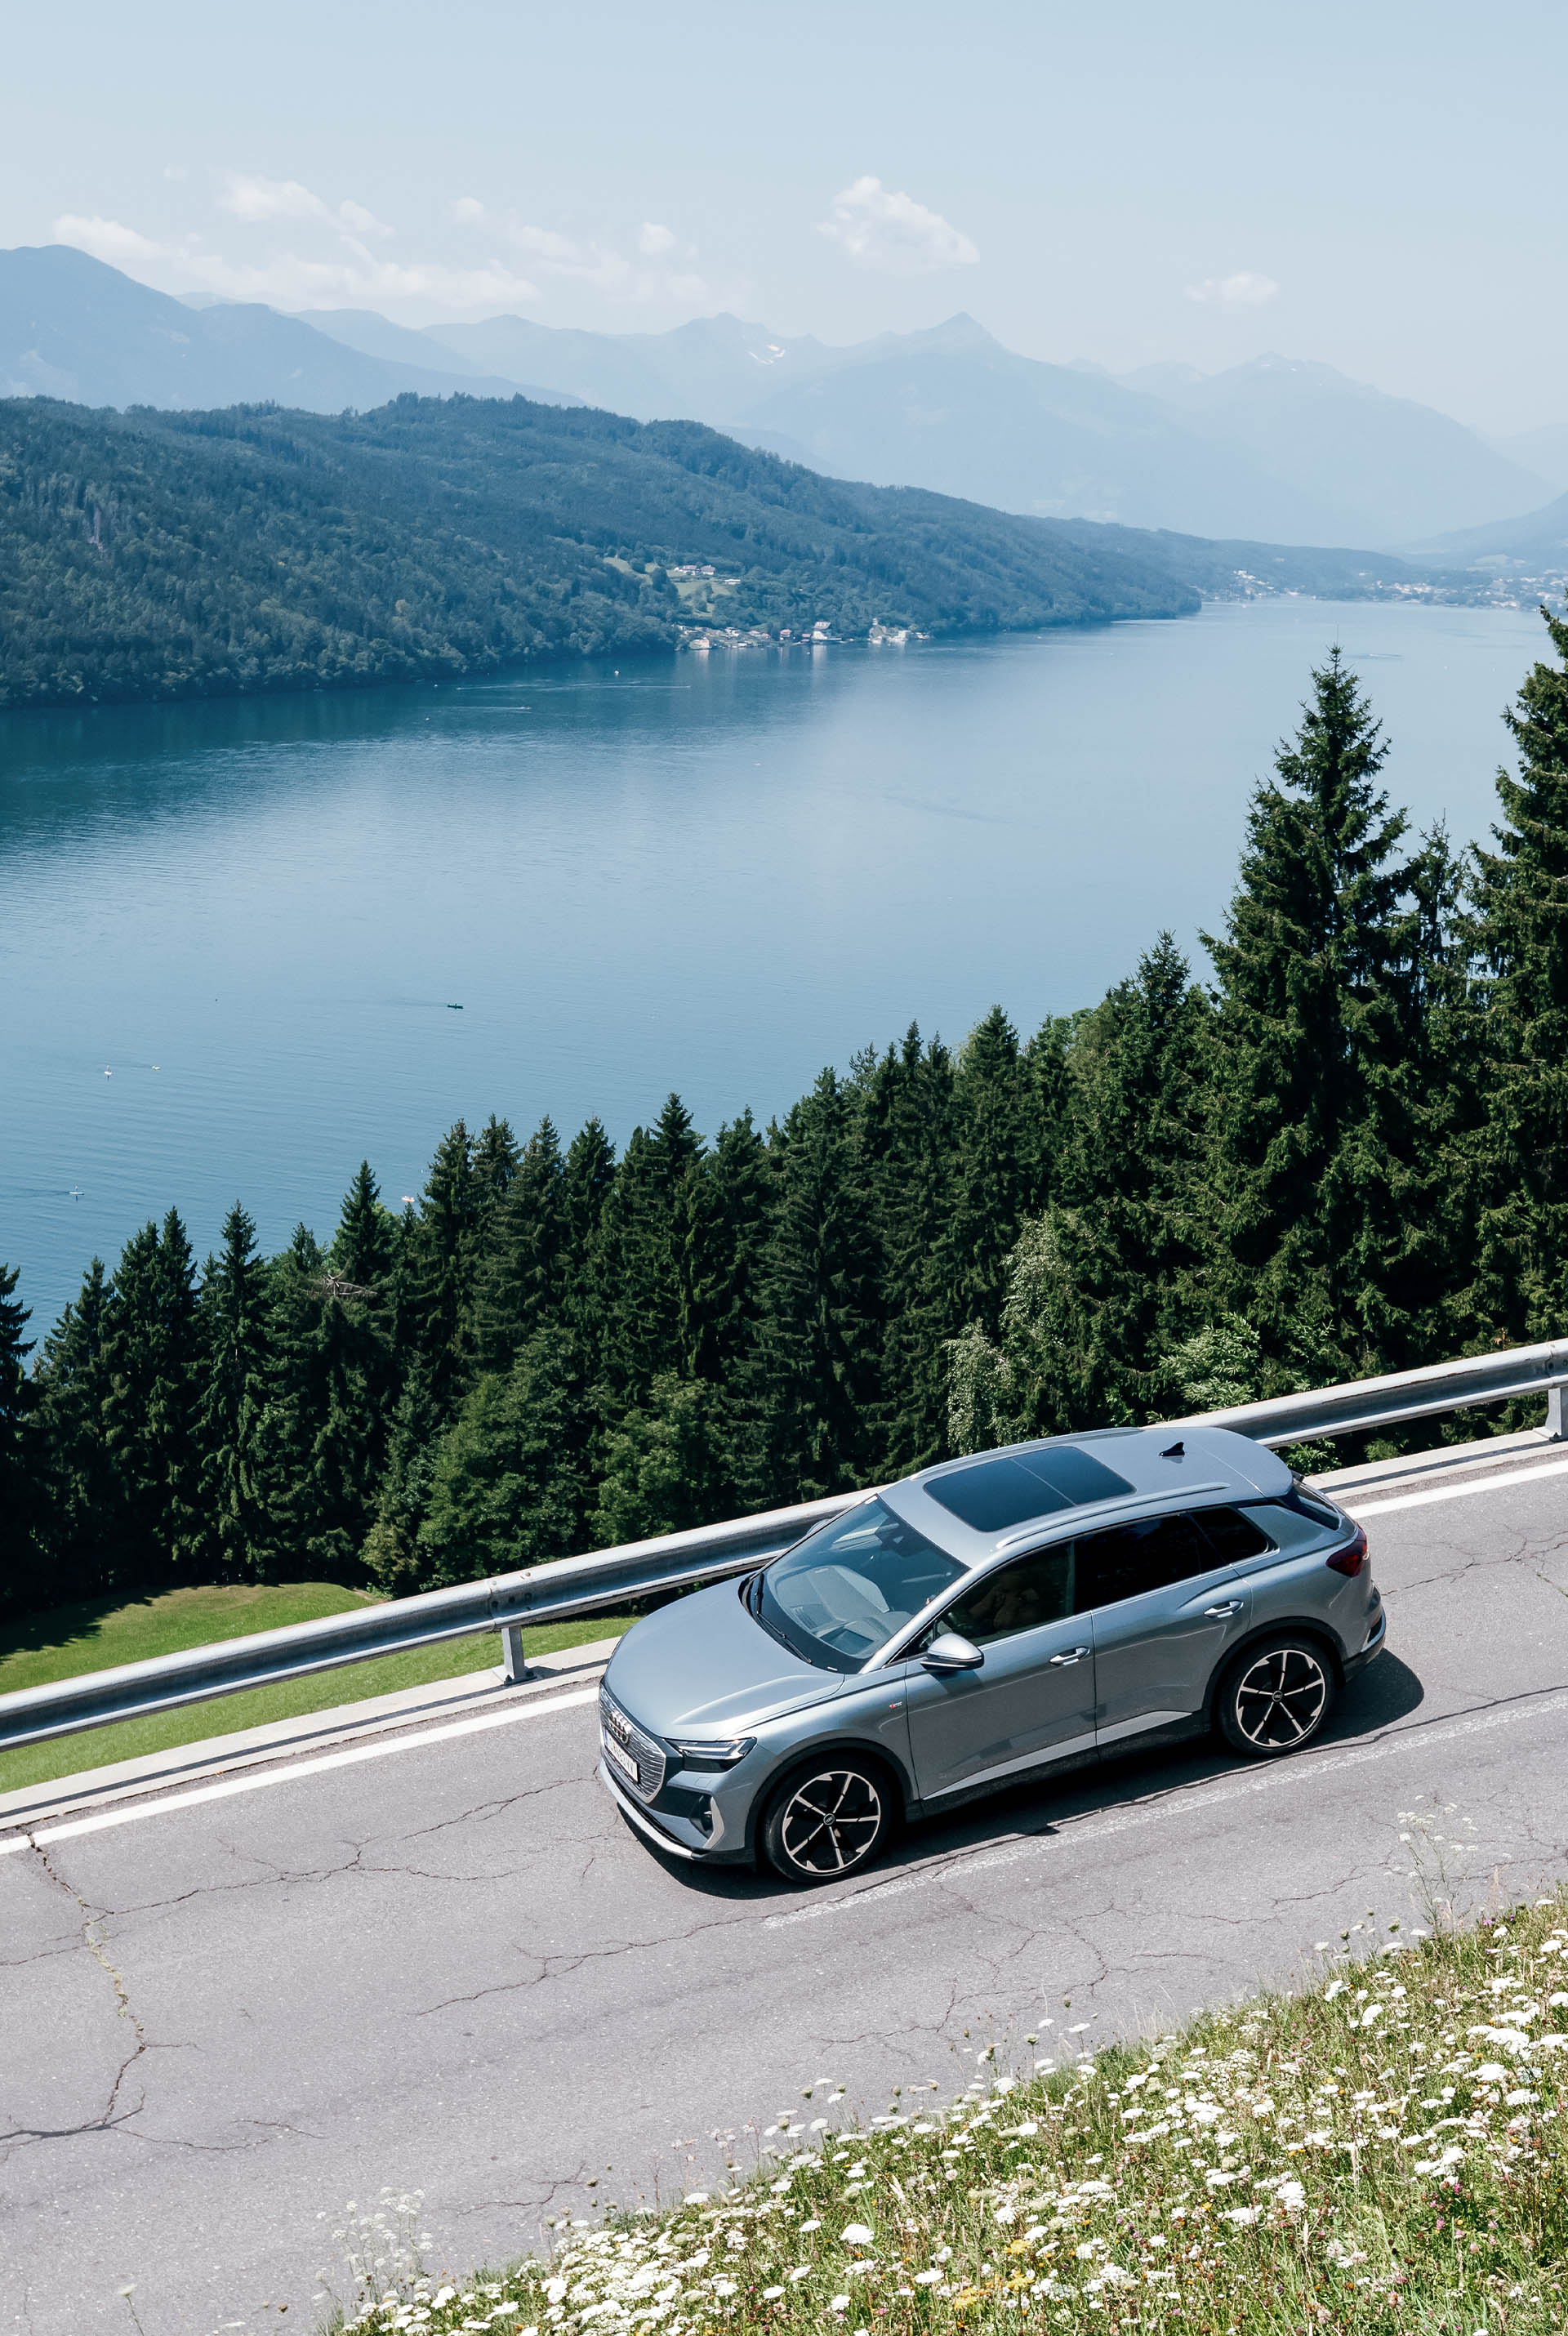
{"x":1276,"y":1697}
{"x":828,"y":1819}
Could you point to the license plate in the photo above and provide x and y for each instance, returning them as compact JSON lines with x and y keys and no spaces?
{"x":622,"y":1758}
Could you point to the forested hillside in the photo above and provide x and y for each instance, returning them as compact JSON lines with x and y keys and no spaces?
{"x":179,"y":555}
{"x":1348,"y":1155}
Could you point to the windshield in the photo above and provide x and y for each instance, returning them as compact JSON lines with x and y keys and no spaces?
{"x":841,"y":1593}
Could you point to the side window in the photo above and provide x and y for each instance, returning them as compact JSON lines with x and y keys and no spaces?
{"x":1021,"y":1596}
{"x":1234,"y":1535}
{"x":1132,"y":1559}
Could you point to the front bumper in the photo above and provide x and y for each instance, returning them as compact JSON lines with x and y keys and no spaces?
{"x":677,"y":1836}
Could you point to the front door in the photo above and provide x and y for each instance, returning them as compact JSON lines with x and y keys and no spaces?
{"x":1033,"y":1698}
{"x":1164,"y":1604}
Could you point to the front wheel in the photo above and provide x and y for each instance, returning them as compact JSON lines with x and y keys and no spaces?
{"x":827,"y":1820}
{"x":1276,"y":1697}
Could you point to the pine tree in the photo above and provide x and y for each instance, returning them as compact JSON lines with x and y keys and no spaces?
{"x":236,"y":1311}
{"x":665,"y":1468}
{"x":508,"y":1480}
{"x":520,"y":1280}
{"x":1521,"y":931}
{"x":587,"y":1180}
{"x":908,"y":1142}
{"x":328,"y":1419}
{"x":153,"y":1350}
{"x":17,"y":1478}
{"x":818,"y":1383}
{"x":80,"y":1526}
{"x":724,"y":1229}
{"x":1316,"y":1134}
{"x":362,"y":1249}
{"x":1000,"y":1170}
{"x":1131,"y":1227}
{"x":445,"y":1260}
{"x":644,"y":1257}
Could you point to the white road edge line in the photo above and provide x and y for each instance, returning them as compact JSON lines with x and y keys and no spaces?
{"x":1498,"y":1484}
{"x":1196,"y":1801}
{"x":71,"y":1826}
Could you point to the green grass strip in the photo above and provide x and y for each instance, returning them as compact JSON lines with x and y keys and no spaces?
{"x":1382,"y":2153}
{"x":71,"y":1639}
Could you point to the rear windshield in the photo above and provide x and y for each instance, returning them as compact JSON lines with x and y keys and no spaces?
{"x":839,"y":1595}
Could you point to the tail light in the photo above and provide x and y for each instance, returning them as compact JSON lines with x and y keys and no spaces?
{"x":1350,"y":1560}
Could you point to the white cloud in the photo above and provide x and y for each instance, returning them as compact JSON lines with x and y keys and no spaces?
{"x":880,"y":228}
{"x":1242,"y":290}
{"x":291,"y":279}
{"x":255,"y":201}
{"x":468,"y":210}
{"x":654,"y":242}
{"x":105,"y":238}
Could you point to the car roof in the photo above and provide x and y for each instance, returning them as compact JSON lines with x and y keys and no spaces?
{"x":984,"y":1505}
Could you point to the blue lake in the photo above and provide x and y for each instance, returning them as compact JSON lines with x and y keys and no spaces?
{"x":243,"y":946}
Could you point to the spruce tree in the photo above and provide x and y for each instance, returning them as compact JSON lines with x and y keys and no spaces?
{"x":236,"y":1320}
{"x":508,"y":1481}
{"x":17,"y":1477}
{"x":1000,"y":1169}
{"x":80,"y":1526}
{"x":328,"y":1418}
{"x":818,"y":1382}
{"x":1317,"y":1151}
{"x":362,"y":1248}
{"x":909,"y":1143}
{"x":644,"y":1256}
{"x":520,"y":1280}
{"x":446,"y":1259}
{"x":152,"y":1352}
{"x":1521,"y":932}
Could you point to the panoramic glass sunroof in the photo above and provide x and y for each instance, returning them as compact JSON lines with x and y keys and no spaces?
{"x":995,"y":1494}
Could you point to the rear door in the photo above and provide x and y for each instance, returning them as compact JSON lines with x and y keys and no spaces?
{"x":1164,"y":1604}
{"x":1033,"y":1698}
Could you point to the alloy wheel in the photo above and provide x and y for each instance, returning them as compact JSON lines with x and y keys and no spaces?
{"x":830,"y":1822}
{"x":1280,"y":1698}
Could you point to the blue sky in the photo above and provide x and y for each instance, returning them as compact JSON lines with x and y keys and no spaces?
{"x":1374,"y":185}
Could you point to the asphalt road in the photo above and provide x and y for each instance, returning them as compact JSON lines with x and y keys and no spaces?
{"x":450,"y":1967}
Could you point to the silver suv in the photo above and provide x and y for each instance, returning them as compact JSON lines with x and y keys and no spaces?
{"x":977,"y":1625}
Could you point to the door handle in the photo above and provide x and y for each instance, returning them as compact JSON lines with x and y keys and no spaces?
{"x":1075,"y":1656}
{"x":1232,"y":1606}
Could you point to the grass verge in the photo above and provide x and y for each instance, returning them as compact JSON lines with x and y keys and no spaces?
{"x":71,"y":1639}
{"x":1381,"y":2152}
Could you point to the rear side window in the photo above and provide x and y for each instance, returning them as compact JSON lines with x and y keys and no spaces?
{"x":1022,"y":1596}
{"x":1132,"y":1559}
{"x":1235,"y":1535}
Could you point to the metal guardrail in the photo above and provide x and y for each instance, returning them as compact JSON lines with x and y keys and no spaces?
{"x":603,"y":1579}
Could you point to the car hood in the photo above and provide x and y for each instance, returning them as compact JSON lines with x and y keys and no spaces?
{"x":701,"y":1666}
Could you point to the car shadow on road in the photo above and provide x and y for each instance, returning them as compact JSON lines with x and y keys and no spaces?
{"x":1386,"y":1694}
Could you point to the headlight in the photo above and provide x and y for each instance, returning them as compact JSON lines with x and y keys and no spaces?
{"x":713,"y":1755}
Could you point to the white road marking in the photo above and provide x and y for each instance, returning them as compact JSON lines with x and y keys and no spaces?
{"x":1498,"y":1484}
{"x":105,"y":1818}
{"x":1197,"y":1802}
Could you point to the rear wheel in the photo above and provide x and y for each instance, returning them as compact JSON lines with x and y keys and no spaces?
{"x":827,"y":1820}
{"x":1276,"y":1697}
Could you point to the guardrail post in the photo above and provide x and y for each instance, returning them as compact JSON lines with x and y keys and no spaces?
{"x":514,"y":1670}
{"x":1554,"y":1411}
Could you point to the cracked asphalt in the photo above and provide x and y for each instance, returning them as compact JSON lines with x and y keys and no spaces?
{"x":458,"y":1972}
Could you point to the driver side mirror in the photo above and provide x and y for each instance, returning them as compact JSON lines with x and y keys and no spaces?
{"x":948,"y":1652}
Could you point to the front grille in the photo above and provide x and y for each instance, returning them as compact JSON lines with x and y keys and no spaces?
{"x":622,"y":1734}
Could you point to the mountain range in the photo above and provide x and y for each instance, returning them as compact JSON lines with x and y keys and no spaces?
{"x":1277,"y":451}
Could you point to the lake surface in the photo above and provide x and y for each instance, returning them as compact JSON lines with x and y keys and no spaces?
{"x":232,"y":937}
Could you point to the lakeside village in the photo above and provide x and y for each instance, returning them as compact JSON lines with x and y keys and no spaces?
{"x":696,"y":582}
{"x":815,"y":637}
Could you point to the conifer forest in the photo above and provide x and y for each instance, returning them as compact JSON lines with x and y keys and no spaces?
{"x":1344,"y":1152}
